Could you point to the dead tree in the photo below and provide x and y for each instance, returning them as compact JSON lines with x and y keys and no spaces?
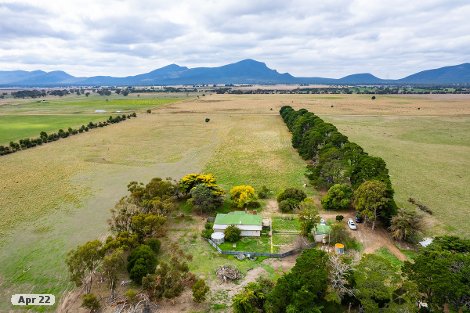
{"x":227,"y":272}
{"x":338,"y":276}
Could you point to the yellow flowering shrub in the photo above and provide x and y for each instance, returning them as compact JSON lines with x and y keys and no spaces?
{"x":242,"y":194}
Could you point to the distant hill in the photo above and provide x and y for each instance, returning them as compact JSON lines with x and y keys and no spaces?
{"x":11,"y":77}
{"x":361,"y":79}
{"x":243,"y":72}
{"x":457,"y":74}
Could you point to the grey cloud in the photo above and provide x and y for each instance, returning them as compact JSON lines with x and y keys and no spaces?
{"x":135,"y":29}
{"x":25,"y":21}
{"x":306,"y":38}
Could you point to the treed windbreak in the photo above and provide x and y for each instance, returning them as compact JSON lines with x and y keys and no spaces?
{"x":333,"y":158}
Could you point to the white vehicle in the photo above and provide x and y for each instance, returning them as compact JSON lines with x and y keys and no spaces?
{"x":351,"y":224}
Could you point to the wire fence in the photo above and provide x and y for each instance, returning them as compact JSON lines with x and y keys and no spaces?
{"x":265,"y":254}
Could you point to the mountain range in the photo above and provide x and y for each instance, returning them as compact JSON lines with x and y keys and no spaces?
{"x":242,"y":72}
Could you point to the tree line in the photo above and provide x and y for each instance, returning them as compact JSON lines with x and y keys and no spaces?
{"x":35,"y":93}
{"x":138,"y":224}
{"x":333,"y":159}
{"x":368,"y":90}
{"x":44,"y":137}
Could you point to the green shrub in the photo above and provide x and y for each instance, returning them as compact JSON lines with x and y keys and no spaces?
{"x":264,"y":193}
{"x":288,"y":205}
{"x":232,"y":233}
{"x":154,"y":244}
{"x":90,"y":301}
{"x":206,"y":198}
{"x":140,"y":262}
{"x":338,"y":233}
{"x":200,"y":290}
{"x":339,"y":218}
{"x":292,"y":193}
{"x":206,"y":233}
{"x":339,"y":197}
{"x":139,"y":271}
{"x":208,"y":225}
{"x":131,"y":296}
{"x":253,"y":205}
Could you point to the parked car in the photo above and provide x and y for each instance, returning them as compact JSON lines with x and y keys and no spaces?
{"x":359,"y":218}
{"x":351,"y":224}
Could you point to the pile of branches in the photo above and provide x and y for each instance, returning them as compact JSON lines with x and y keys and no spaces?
{"x":420,"y":206}
{"x":227,"y":272}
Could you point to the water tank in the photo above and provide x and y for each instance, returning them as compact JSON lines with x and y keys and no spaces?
{"x":339,"y":248}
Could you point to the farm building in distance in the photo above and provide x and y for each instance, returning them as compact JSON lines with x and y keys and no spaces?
{"x":249,"y":224}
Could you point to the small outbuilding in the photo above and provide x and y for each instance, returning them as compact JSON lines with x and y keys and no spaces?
{"x":321,"y":232}
{"x":249,"y":224}
{"x":217,"y":238}
{"x":339,"y":248}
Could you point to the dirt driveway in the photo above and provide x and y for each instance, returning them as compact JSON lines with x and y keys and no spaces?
{"x":372,"y":240}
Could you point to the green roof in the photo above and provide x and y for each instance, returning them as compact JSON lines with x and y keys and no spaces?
{"x":238,"y":218}
{"x":322,"y":229}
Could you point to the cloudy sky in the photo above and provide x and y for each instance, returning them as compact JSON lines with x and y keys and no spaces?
{"x":330,"y":38}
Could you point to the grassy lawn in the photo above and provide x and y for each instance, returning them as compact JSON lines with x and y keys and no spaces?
{"x":249,"y":244}
{"x":385,"y":253}
{"x":27,"y":118}
{"x":15,"y":127}
{"x":283,"y":239}
{"x":410,"y":254}
{"x":285,"y":224}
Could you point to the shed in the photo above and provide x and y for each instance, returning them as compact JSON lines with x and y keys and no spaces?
{"x":249,"y":224}
{"x":321,"y":232}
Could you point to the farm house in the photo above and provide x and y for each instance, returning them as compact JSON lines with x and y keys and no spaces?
{"x":249,"y":224}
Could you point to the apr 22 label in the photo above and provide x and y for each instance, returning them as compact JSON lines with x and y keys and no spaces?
{"x":32,"y":299}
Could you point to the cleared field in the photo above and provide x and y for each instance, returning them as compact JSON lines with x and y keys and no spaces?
{"x":257,"y":152}
{"x":25,"y":118}
{"x":72,"y":104}
{"x":15,"y":127}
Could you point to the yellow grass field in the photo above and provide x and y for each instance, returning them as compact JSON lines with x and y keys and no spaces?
{"x":58,"y":195}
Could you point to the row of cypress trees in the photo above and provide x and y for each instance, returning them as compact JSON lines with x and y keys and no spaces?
{"x":333,"y":159}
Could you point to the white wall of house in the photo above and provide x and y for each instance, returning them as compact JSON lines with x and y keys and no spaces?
{"x":250,"y":233}
{"x":246,"y":230}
